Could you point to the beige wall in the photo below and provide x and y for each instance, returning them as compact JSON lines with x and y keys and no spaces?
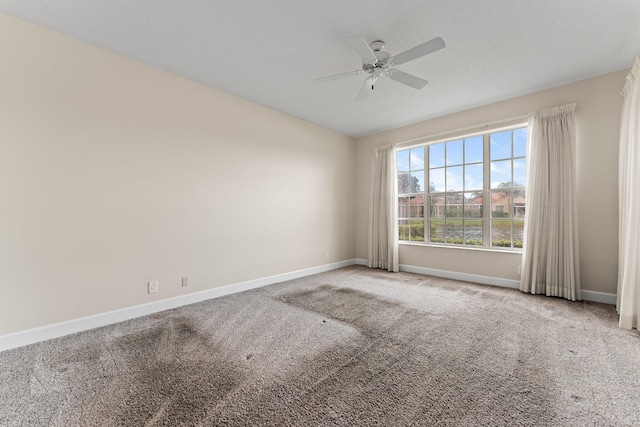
{"x":113,"y":173}
{"x":598,"y":112}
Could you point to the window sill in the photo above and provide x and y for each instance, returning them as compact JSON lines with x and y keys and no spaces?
{"x":464,"y":248}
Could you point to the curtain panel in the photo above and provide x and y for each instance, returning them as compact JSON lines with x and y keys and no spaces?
{"x":383,"y":224}
{"x":551,"y":265}
{"x":628,"y":298}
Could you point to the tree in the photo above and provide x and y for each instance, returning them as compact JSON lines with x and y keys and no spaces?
{"x":508,"y":185}
{"x":408,"y":183}
{"x":518,"y":190}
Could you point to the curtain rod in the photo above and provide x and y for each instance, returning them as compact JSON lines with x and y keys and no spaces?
{"x":457,"y":132}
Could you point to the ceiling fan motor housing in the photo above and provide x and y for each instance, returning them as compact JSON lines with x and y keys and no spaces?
{"x":381,"y":65}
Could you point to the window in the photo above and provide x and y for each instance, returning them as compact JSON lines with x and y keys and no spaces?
{"x":476,"y":192}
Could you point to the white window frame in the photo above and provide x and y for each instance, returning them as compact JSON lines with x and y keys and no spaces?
{"x":485,"y":132}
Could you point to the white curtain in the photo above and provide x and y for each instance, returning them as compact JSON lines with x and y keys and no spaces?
{"x":383,"y":223}
{"x":551,"y":264}
{"x":628,"y":303}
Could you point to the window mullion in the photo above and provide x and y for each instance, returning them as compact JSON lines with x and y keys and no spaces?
{"x":486,"y":192}
{"x":427,"y":199}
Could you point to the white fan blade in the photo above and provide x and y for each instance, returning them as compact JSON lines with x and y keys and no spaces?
{"x":362,"y":48}
{"x":408,"y":79}
{"x":338,"y":76}
{"x":367,"y":87}
{"x":418,"y":51}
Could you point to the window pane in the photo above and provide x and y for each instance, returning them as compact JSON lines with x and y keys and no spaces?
{"x":437,"y":231}
{"x":416,"y":230}
{"x":518,"y":233}
{"x":403,"y":229}
{"x":501,"y":204}
{"x":473,"y":205}
{"x":416,"y":209}
{"x":403,"y":207}
{"x":417,"y":158}
{"x":473,"y":151}
{"x":520,"y":142}
{"x":454,"y":152}
{"x":436,"y":155}
{"x":402,"y":159}
{"x":454,"y":178}
{"x":436,"y":180}
{"x":455,"y":205}
{"x":501,"y":233}
{"x":437,"y":206}
{"x":500,"y":145}
{"x":501,"y":174}
{"x":519,"y":173}
{"x":473,"y":179}
{"x":473,"y":232}
{"x":417,"y":182}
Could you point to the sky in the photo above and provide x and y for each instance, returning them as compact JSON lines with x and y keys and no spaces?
{"x":446,"y":160}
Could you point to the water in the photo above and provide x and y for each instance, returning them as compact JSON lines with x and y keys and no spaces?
{"x":458,"y":232}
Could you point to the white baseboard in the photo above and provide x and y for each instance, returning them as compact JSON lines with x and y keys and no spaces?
{"x":466,"y":277}
{"x":587,"y":295}
{"x":43,"y":333}
{"x":596,"y":296}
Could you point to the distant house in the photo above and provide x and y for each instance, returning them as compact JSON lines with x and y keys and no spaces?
{"x":411,"y":207}
{"x":452,"y":206}
{"x":501,"y":205}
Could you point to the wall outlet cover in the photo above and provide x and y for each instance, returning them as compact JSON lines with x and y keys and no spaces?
{"x":153,"y":286}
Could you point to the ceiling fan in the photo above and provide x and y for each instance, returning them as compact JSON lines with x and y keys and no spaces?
{"x":378,"y":63}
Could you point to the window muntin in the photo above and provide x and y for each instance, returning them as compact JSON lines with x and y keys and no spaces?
{"x":476,"y":192}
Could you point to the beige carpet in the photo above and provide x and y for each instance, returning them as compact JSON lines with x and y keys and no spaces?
{"x":352,"y":347}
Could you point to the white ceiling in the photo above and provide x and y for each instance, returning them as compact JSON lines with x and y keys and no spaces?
{"x":269,"y":51}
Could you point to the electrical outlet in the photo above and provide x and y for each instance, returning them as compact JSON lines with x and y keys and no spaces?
{"x":185,"y":280}
{"x":153,"y":286}
{"x":326,"y":256}
{"x":519,"y":270}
